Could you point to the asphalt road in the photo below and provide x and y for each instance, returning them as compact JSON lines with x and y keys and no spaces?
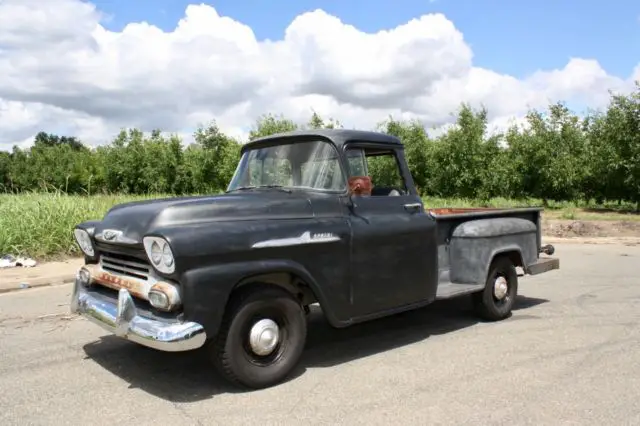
{"x":569,"y":355}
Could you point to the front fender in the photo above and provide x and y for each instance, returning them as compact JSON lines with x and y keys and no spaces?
{"x":206,"y":291}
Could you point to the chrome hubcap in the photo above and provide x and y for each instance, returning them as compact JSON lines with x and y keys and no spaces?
{"x":500,"y":288}
{"x":264,"y":336}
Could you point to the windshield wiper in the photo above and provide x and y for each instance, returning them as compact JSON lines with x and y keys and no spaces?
{"x":241,"y":188}
{"x":279,"y":187}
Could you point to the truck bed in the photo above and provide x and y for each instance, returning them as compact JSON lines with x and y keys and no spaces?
{"x":448,"y":212}
{"x":448,"y":219}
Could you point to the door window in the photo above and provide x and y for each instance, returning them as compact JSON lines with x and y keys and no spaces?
{"x":381,"y":166}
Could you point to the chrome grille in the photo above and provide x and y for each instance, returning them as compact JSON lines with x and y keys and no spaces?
{"x":125,"y":265}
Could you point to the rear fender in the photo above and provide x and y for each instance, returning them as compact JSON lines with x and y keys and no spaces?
{"x":474,"y":245}
{"x":512,"y":251}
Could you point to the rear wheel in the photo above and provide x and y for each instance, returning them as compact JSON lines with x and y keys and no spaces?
{"x":261,"y":339}
{"x":496,"y":301}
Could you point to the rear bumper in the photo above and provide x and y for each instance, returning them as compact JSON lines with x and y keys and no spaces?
{"x":122,"y":319}
{"x":542,"y":265}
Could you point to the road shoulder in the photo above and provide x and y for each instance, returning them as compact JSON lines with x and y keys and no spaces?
{"x":43,"y":274}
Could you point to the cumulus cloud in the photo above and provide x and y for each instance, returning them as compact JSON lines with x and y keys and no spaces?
{"x":64,"y":72}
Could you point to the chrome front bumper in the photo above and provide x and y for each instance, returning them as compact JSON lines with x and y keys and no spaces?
{"x":123,"y":320}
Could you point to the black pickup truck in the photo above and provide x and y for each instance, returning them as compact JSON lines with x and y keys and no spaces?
{"x":318,"y":216}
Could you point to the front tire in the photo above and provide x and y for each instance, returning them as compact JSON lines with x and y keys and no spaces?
{"x":261,"y":338}
{"x":497,"y":299}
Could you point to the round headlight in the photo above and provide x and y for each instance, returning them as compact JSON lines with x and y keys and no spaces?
{"x":159,"y":253}
{"x":84,"y":241}
{"x":156,"y":253}
{"x":167,"y":256}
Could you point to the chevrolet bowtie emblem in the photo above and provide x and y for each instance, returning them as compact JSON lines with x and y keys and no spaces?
{"x":114,"y":236}
{"x":109,"y":234}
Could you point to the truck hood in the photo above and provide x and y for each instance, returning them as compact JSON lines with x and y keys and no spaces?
{"x":134,"y":220}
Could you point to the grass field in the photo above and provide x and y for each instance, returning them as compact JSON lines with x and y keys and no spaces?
{"x":40,"y":225}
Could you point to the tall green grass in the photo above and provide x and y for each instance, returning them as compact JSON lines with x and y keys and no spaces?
{"x":40,"y":224}
{"x":612,"y":206}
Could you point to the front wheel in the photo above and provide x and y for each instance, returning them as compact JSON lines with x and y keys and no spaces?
{"x":261,"y":339}
{"x":496,"y":301}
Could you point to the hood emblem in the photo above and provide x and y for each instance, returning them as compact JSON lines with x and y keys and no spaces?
{"x":114,"y":236}
{"x":110,"y":234}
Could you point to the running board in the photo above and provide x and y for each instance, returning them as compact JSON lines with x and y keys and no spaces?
{"x":447,"y":290}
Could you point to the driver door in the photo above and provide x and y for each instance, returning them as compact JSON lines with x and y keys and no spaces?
{"x":394,"y":250}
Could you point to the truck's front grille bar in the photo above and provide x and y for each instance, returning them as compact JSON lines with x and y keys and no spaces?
{"x":125,"y":265}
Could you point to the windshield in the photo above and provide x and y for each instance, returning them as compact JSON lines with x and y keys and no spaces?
{"x":302,"y":164}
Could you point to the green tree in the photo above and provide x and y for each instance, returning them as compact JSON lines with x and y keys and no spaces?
{"x":270,"y":124}
{"x":317,"y":122}
{"x":459,"y":155}
{"x":211,"y":161}
{"x":419,"y":151}
{"x":5,"y":171}
{"x":555,"y":156}
{"x":620,"y":129}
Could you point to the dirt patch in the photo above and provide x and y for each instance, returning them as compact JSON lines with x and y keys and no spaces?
{"x":590,"y":228}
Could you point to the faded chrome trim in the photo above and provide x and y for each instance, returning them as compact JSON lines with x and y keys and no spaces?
{"x":136,"y":286}
{"x":126,"y":265}
{"x":123,"y":320}
{"x":139,"y":288}
{"x":305,"y":238}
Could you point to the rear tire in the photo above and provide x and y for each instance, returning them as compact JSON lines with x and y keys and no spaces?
{"x":264,"y":361}
{"x":496,"y":301}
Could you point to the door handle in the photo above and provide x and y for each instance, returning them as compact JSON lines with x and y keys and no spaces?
{"x":413,"y":207}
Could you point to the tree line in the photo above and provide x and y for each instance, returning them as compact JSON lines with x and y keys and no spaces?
{"x":557,"y":156}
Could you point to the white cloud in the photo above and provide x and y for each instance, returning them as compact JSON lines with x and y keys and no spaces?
{"x":636,"y":73}
{"x":63,"y":72}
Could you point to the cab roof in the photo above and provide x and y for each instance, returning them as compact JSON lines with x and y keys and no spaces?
{"x":338,"y":136}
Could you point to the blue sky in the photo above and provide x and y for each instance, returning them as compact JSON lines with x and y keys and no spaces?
{"x":514,"y":37}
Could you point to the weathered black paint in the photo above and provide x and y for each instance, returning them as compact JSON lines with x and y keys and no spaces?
{"x":389,"y":256}
{"x":393,"y":254}
{"x":476,"y":243}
